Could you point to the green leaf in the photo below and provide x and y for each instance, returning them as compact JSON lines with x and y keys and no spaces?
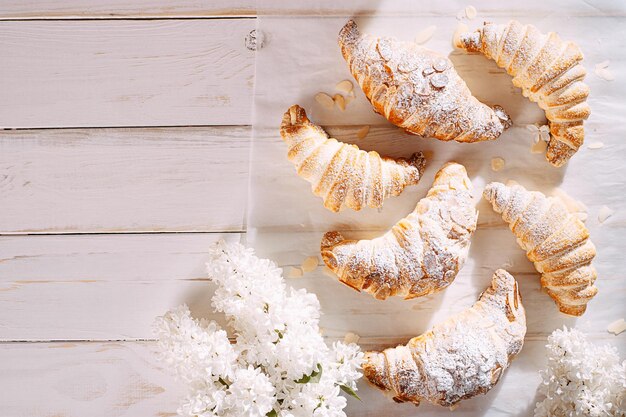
{"x":314,"y":377}
{"x":272,"y":413}
{"x":349,"y":391}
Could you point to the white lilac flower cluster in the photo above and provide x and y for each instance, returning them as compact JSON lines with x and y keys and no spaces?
{"x":279,"y":365}
{"x":581,"y":379}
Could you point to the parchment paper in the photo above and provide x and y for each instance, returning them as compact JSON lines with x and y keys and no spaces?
{"x":300,"y":57}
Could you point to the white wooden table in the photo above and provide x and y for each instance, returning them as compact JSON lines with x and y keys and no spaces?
{"x":126,"y":152}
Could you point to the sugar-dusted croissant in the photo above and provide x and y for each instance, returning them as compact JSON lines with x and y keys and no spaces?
{"x":459,"y":358}
{"x":554,"y":239}
{"x":418,"y":89}
{"x":548,"y":71}
{"x":421,"y":254}
{"x":342,"y":174}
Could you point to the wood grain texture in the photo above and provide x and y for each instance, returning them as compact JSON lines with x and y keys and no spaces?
{"x":94,"y":379}
{"x":110,"y":287}
{"x":125,"y":379}
{"x":71,"y":9}
{"x":114,"y":9}
{"x":76,"y":180}
{"x":125,"y":73}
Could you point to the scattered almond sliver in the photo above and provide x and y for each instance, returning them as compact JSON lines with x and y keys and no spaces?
{"x":595,"y":145}
{"x":539,"y":147}
{"x":362,"y":133}
{"x":603,"y":71}
{"x":349,"y":98}
{"x":351,"y":338}
{"x":425,"y":35}
{"x":604,"y":214}
{"x":497,"y":163}
{"x":309,"y":264}
{"x":325,"y":100}
{"x":340,"y":101}
{"x":345,"y":86}
{"x":294,"y":272}
{"x":470,"y":12}
{"x":617,"y":327}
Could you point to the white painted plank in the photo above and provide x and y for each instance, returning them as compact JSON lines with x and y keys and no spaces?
{"x":112,"y":287}
{"x":117,"y":379}
{"x":113,"y":9}
{"x":87,"y":379}
{"x":107,"y":257}
{"x":95,"y":180}
{"x":69,"y":9}
{"x":125,"y":73}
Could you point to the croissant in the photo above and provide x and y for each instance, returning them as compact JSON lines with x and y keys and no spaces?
{"x":554,"y":239}
{"x":421,"y":254}
{"x":548,"y":71}
{"x":459,"y":358}
{"x":418,"y":89}
{"x":342,"y":174}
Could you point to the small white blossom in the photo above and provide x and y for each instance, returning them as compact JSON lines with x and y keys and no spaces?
{"x":581,"y":379}
{"x":279,"y":364}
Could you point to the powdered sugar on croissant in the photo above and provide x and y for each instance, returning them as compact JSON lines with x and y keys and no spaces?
{"x":554,"y":239}
{"x":548,"y":71}
{"x":459,"y":358}
{"x":418,"y":89}
{"x":342,"y":174}
{"x":421,"y":254}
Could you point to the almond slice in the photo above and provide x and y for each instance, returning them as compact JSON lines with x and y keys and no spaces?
{"x":309,"y":264}
{"x":603,"y":64}
{"x":604,"y":214}
{"x":540,"y":146}
{"x":340,"y":101}
{"x":605,"y":74}
{"x":617,"y":327}
{"x":595,"y":145}
{"x":470,"y":12}
{"x":294,"y":272}
{"x":325,"y":100}
{"x":362,"y":133}
{"x":351,"y":338}
{"x":497,"y":164}
{"x":345,"y":86}
{"x":425,"y":35}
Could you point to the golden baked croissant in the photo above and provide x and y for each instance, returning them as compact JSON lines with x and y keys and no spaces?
{"x":459,"y":358}
{"x":421,"y":254}
{"x":554,"y":239}
{"x":548,"y":71}
{"x":342,"y":174}
{"x":418,"y":89}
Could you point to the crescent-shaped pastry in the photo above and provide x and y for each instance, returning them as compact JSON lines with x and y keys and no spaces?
{"x":554,"y":239}
{"x":421,"y":254}
{"x":342,"y":174}
{"x":459,"y":358}
{"x":548,"y":71}
{"x":418,"y":89}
